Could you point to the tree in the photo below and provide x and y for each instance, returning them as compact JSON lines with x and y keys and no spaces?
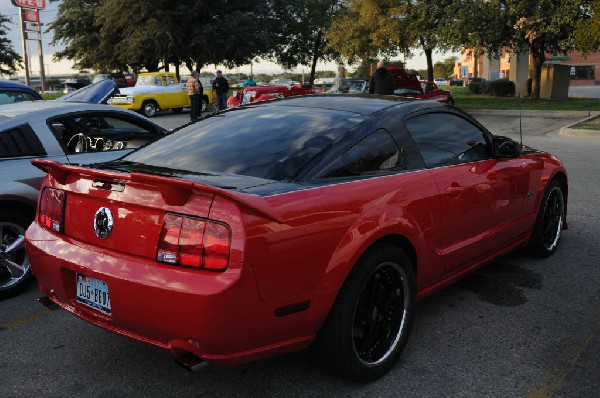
{"x":302,"y":39}
{"x":542,"y":26}
{"x":587,"y":30}
{"x":153,"y":34}
{"x":9,"y":59}
{"x":444,"y":68}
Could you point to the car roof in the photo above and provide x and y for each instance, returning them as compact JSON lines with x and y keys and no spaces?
{"x":36,"y":109}
{"x":364,"y":104}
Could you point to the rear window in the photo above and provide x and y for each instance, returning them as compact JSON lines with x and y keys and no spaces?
{"x":266,"y":142}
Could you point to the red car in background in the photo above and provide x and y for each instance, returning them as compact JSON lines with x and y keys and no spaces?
{"x":408,"y":85}
{"x":271,"y":226}
{"x":264,"y":93}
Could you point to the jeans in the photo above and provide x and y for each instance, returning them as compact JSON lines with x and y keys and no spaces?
{"x":195,"y":106}
{"x":222,"y":101}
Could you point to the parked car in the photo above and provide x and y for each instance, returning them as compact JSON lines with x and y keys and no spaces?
{"x":263,"y":93}
{"x":358,"y":85}
{"x":269,"y":227}
{"x":440,"y":81}
{"x":154,"y":92}
{"x":457,"y":82}
{"x":74,"y":84}
{"x":117,"y":77}
{"x":63,"y":131}
{"x":427,"y":91}
{"x":11,"y":92}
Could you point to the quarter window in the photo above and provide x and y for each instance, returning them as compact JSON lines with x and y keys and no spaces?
{"x":446,"y":139}
{"x":377,"y":152}
{"x":20,"y":141}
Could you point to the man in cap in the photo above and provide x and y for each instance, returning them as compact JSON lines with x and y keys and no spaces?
{"x":221,"y":87}
{"x":195,"y":91}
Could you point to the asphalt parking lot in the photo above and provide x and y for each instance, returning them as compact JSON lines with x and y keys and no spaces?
{"x":520,"y":327}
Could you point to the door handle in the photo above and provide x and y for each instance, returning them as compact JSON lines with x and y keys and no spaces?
{"x":453,"y":190}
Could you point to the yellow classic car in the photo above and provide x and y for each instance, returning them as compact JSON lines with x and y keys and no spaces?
{"x":155,"y":91}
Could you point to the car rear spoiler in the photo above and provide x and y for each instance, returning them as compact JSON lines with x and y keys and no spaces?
{"x":175,"y":192}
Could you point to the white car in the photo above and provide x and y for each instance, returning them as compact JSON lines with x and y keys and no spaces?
{"x":440,"y":82}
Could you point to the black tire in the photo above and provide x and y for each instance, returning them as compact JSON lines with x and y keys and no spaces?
{"x":204,"y":104}
{"x":177,"y":110}
{"x":451,"y":101}
{"x":15,"y":271}
{"x":370,"y":321}
{"x":149,"y":108}
{"x":549,"y":222}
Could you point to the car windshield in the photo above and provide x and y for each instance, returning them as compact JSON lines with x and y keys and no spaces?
{"x":148,"y":81}
{"x":266,"y":142}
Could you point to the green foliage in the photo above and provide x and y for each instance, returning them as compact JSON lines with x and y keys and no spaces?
{"x":587,"y":30}
{"x":502,"y":88}
{"x":119,"y":35}
{"x":9,"y":59}
{"x":444,"y":68}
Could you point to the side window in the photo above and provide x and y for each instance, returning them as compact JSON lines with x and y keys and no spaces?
{"x":20,"y":141}
{"x":375,"y":153}
{"x":170,"y":81}
{"x":94,"y":133}
{"x":445,"y":139}
{"x":10,"y":97}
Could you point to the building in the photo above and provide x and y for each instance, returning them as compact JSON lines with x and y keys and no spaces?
{"x":582,"y":68}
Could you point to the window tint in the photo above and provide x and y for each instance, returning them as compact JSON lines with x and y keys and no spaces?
{"x":446,"y":139}
{"x":20,"y":141}
{"x":93,"y":133}
{"x":10,"y":97}
{"x":375,"y":153}
{"x":266,"y":142}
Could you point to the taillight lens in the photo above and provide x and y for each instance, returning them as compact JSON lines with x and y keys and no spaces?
{"x":193,"y":242}
{"x":52,"y":206}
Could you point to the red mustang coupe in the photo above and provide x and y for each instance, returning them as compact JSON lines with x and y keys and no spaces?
{"x":309,"y":220}
{"x":264,"y":93}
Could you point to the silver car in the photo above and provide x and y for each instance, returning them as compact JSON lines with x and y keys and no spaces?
{"x":69,"y":132}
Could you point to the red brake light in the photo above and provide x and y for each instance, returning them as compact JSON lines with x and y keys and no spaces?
{"x":51,"y":212}
{"x":193,"y":242}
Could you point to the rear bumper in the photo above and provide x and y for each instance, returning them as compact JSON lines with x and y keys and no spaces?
{"x":218,"y":317}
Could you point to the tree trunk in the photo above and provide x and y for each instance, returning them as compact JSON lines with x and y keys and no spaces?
{"x":428,"y":53}
{"x":538,"y":60}
{"x":315,"y":58}
{"x":476,"y":61}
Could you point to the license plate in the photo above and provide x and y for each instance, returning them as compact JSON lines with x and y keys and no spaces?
{"x":93,"y":293}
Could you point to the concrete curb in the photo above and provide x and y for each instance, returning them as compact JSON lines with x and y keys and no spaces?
{"x":569,"y":130}
{"x":535,"y":113}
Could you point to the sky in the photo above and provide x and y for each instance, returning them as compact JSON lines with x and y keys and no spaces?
{"x":65,"y":67}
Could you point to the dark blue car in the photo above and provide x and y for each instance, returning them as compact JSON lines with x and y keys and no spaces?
{"x":11,"y":92}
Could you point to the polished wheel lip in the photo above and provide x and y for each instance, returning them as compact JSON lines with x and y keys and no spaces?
{"x":399,"y":312}
{"x":12,"y":245}
{"x":553,"y":218}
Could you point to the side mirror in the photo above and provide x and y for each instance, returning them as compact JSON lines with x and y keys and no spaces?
{"x":504,"y":147}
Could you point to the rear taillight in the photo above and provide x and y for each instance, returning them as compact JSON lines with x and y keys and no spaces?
{"x":192,"y":242}
{"x":52,"y":206}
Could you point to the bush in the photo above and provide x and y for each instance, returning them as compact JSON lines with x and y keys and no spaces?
{"x":475,"y":85}
{"x":502,"y":88}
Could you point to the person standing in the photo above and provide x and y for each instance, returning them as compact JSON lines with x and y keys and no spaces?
{"x":340,"y":84}
{"x":195,"y":91}
{"x":221,"y":86}
{"x":382,"y":81}
{"x":250,"y":82}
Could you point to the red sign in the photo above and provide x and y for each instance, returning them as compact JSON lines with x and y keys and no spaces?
{"x":37,"y":4}
{"x":32,"y":15}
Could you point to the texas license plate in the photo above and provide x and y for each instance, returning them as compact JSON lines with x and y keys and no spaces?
{"x":93,"y":293}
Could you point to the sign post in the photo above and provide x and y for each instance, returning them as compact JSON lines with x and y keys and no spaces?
{"x":29,"y":16}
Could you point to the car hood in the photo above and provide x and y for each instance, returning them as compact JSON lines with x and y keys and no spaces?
{"x":139,"y":90}
{"x":97,"y":93}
